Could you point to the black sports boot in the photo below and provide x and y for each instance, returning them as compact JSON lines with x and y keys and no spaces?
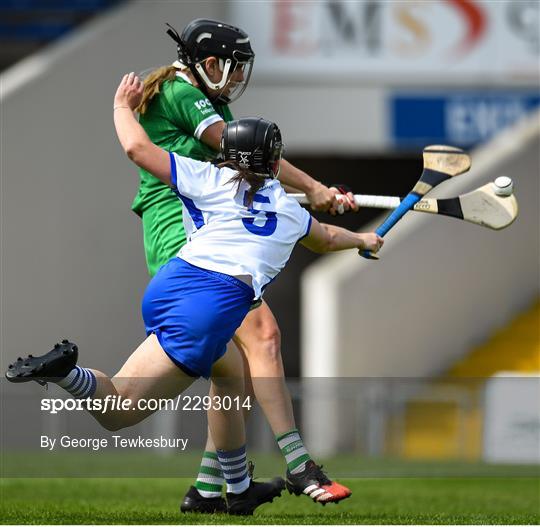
{"x":194,"y":502}
{"x":54,"y":365}
{"x":313,"y":482}
{"x":256,"y":494}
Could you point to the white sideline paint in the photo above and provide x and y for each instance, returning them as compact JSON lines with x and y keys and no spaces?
{"x":327,"y":283}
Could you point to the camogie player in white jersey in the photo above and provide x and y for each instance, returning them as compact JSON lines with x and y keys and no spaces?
{"x":242,"y":230}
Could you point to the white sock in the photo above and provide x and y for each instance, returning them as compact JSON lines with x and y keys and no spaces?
{"x":79,"y":382}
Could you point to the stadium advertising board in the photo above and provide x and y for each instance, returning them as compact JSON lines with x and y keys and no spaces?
{"x":462,"y":118}
{"x":450,"y":41}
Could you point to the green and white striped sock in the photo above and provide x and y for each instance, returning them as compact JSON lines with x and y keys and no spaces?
{"x":210,"y":479}
{"x":292,"y":447}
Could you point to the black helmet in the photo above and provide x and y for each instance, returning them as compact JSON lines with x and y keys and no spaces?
{"x":203,"y":38}
{"x":253,"y":143}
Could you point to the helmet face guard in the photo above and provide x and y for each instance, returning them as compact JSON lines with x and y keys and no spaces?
{"x":203,"y":38}
{"x":275,"y":160}
{"x":228,"y":89}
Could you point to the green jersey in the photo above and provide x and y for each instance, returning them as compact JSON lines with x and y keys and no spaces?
{"x":175,"y":120}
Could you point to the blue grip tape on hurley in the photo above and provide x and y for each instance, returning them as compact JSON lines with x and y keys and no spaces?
{"x":405,"y":206}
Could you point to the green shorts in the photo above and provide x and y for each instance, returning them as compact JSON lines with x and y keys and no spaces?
{"x":164,"y":232}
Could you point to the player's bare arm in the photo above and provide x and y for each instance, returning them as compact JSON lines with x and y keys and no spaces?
{"x":133,"y":138}
{"x":324,"y":238}
{"x":212,"y":135}
{"x":320,"y":196}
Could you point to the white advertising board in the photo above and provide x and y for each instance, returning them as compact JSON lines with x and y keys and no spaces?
{"x":433,"y":41}
{"x":512,"y":419}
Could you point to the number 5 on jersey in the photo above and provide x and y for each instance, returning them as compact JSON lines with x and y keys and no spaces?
{"x":270,"y":224}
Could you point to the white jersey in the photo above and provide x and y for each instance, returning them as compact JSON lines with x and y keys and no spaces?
{"x":225,"y":235}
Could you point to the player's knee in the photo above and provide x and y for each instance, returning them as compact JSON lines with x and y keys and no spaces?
{"x":270,"y":336}
{"x":269,"y":344}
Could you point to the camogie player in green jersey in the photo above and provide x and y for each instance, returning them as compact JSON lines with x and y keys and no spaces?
{"x":174,"y":120}
{"x":184,"y":110}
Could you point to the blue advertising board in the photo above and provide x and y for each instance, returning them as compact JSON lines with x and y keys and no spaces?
{"x":463,"y":118}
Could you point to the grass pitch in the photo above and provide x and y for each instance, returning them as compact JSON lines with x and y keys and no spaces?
{"x":472,"y":500}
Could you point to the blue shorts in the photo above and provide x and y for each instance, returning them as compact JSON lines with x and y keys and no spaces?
{"x":194,"y":312}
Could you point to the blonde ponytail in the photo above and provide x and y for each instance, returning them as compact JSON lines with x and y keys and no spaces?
{"x":152,"y":85}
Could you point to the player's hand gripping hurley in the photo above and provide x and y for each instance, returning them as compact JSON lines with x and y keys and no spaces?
{"x":440,"y":163}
